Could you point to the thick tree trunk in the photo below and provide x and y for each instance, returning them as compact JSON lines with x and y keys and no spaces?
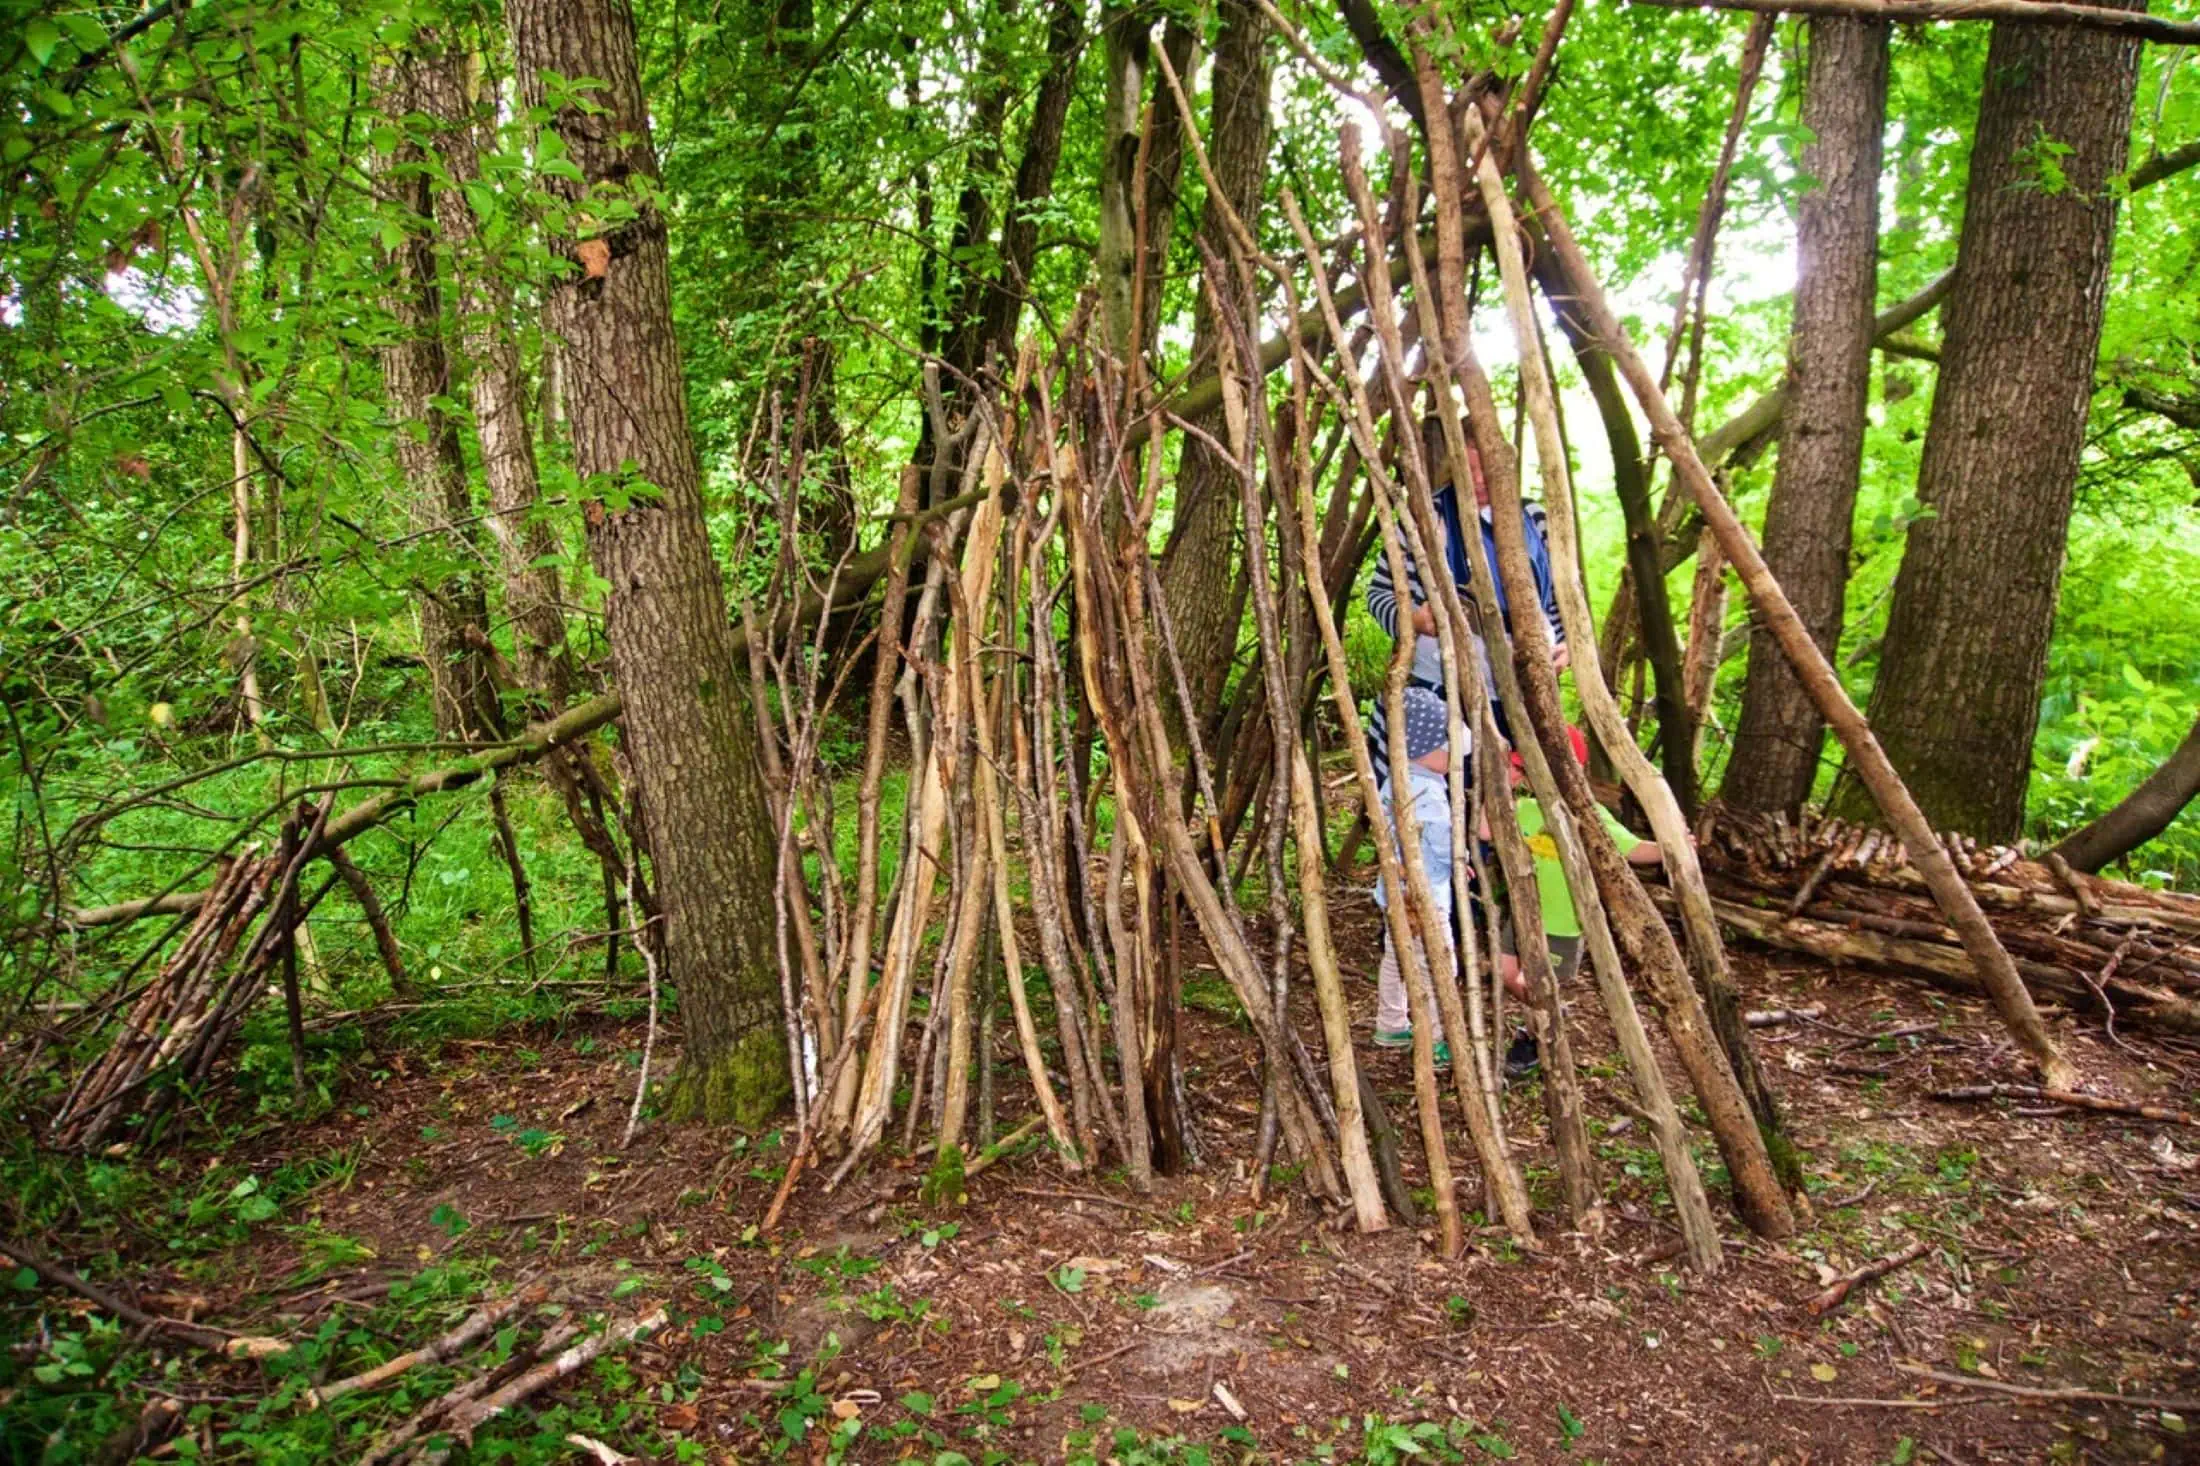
{"x":1196,"y":569}
{"x":1958,"y":692}
{"x":497,"y":387}
{"x":1127,"y":38}
{"x":2144,"y":813}
{"x":416,"y":370}
{"x":1807,"y":524}
{"x":691,"y":741}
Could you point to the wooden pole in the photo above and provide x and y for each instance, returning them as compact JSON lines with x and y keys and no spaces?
{"x":1866,"y":757}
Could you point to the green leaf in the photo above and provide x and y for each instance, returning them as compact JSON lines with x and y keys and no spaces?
{"x":40,"y":36}
{"x":24,"y":1281}
{"x":917,"y":1402}
{"x":629,"y":1285}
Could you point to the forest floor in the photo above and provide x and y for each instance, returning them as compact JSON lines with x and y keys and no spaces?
{"x":1059,"y":1316}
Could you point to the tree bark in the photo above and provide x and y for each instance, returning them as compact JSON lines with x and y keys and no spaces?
{"x":497,"y":387}
{"x":1956,"y":701}
{"x":1196,"y":568}
{"x":2144,"y":813}
{"x":692,"y":744}
{"x":1814,"y":485}
{"x":416,"y":371}
{"x":1042,"y":153}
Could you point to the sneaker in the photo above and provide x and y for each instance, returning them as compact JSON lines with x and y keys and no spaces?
{"x":1523,"y":1058}
{"x":1402,"y":1038}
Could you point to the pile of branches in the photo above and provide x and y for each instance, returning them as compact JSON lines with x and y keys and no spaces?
{"x":1849,"y":893}
{"x":179,"y":1025}
{"x":503,"y":1380}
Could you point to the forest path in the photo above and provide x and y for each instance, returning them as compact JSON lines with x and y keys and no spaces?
{"x":2061,"y":1249}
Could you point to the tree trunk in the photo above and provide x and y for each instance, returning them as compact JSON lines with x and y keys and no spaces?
{"x":691,"y":742}
{"x":1127,"y":41}
{"x":1807,"y":523}
{"x":416,"y":370}
{"x":2144,"y":813}
{"x":1004,"y":301}
{"x":1958,"y":693}
{"x":497,"y":387}
{"x":1196,"y":569}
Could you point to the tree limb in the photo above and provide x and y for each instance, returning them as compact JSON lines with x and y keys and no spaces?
{"x":1914,"y":12}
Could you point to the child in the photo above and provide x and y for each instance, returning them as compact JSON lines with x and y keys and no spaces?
{"x":1561,"y":923}
{"x":1428,"y":725}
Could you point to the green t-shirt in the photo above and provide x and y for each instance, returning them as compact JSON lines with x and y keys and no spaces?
{"x":1559,"y":917}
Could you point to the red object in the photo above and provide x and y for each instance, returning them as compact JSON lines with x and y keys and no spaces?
{"x":1574,"y":736}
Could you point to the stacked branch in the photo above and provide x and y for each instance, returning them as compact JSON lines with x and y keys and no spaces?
{"x":1851,"y":894}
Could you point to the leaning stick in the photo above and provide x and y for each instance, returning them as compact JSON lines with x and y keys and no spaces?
{"x":476,"y":1326}
{"x":1872,"y":1271}
{"x":2076,"y":1099}
{"x":1740,"y":1130}
{"x":1811,"y":667}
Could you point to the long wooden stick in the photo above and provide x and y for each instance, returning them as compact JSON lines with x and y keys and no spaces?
{"x":468,"y":1418}
{"x":2076,"y":1099}
{"x":1740,"y":1131}
{"x":1916,"y":12}
{"x":220,"y":1341}
{"x":477,"y":1325}
{"x":1835,"y":1295}
{"x":1866,"y":757}
{"x":2054,"y":1396}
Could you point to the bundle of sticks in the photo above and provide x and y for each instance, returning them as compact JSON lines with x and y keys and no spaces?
{"x":1850,"y":894}
{"x":177,"y":1028}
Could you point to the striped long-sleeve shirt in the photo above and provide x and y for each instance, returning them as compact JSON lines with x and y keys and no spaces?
{"x":1428,"y":666}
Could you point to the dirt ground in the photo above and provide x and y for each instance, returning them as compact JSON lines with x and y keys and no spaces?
{"x":1055,"y":1309}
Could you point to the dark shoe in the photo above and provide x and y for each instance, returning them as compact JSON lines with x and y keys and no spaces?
{"x":1523,"y":1058}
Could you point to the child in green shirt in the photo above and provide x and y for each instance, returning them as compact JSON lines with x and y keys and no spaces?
{"x":1561,"y":923}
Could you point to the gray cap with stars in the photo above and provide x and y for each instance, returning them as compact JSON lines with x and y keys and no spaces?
{"x":1428,"y":722}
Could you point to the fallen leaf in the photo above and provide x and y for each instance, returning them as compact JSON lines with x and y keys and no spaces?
{"x":682,"y":1416}
{"x":1187,"y":1407}
{"x":846,"y":1409}
{"x":1825,"y":1374}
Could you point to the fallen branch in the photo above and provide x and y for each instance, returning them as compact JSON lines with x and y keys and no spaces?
{"x":476,"y":1326}
{"x":204,"y":1336}
{"x":392,"y":1444}
{"x":1834,"y":1296}
{"x":1775,"y":1017}
{"x":470,"y":1417}
{"x":2054,"y":1396}
{"x":2075,"y":1099}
